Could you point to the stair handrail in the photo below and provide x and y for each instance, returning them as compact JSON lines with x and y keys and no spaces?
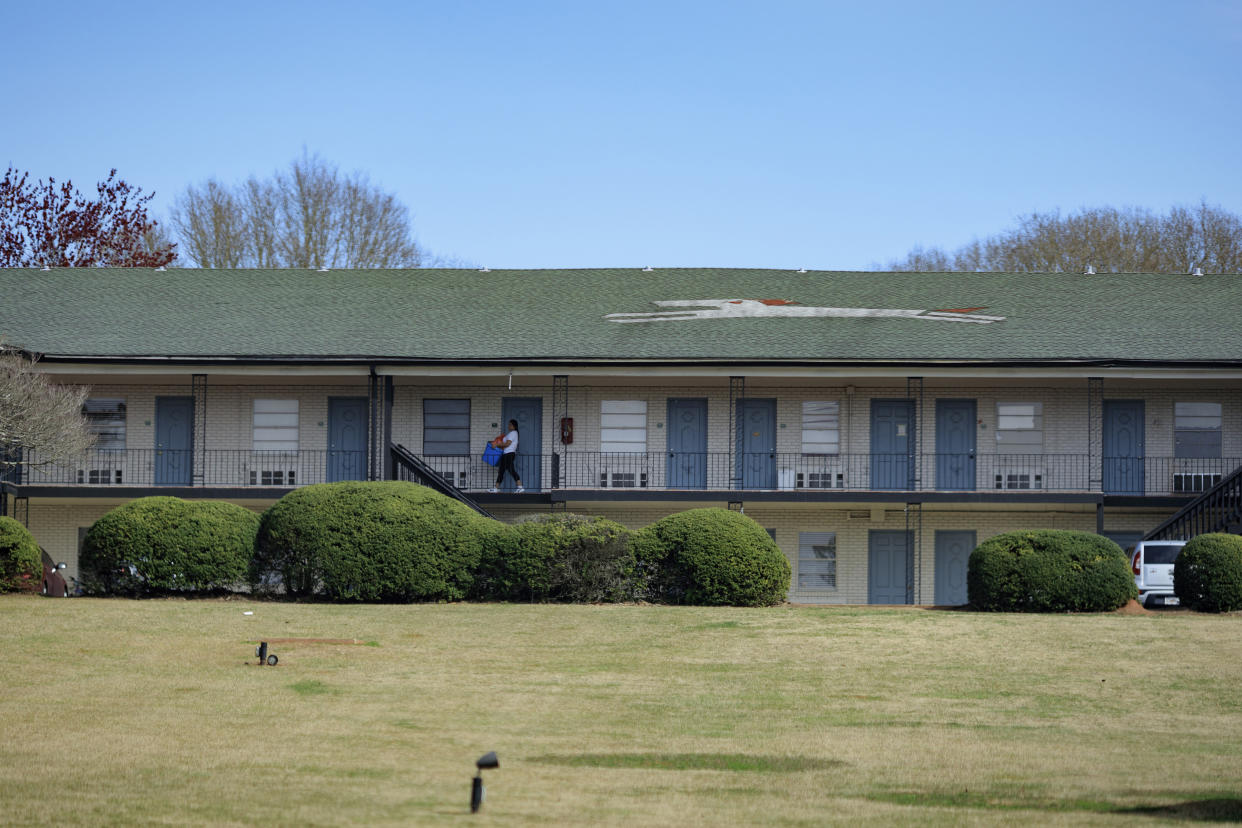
{"x":1217,"y":496}
{"x":403,"y":456}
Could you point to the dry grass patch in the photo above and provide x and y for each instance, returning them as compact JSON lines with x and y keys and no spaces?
{"x":134,"y":712}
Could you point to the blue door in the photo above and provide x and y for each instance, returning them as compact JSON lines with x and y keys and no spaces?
{"x":756,"y":444}
{"x":892,"y":436}
{"x":687,"y":444}
{"x":955,"y":445}
{"x":888,"y":568}
{"x":1123,"y":447}
{"x":528,"y":411}
{"x":174,"y":441}
{"x":952,"y":557}
{"x":347,"y":438}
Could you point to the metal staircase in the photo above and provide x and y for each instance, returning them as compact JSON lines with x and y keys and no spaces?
{"x":1219,"y":509}
{"x":408,"y":466}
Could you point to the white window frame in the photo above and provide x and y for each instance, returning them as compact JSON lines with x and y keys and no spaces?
{"x":623,"y":426}
{"x":275,"y":425}
{"x":1195,"y":417}
{"x":821,"y":428}
{"x":113,"y":409}
{"x":808,"y":543}
{"x":1019,"y":427}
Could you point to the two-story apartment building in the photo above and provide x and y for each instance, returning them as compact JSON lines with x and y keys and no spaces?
{"x":878,"y":424}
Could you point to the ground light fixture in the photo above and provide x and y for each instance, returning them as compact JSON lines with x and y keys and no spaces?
{"x":486,"y":762}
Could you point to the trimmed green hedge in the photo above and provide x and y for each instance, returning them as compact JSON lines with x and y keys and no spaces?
{"x":370,"y":541}
{"x":711,"y":557}
{"x":1207,"y":575}
{"x":21,"y":565}
{"x":1049,"y":570}
{"x":165,"y":544}
{"x":569,"y":558}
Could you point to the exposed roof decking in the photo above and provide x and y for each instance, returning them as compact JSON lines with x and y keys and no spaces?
{"x":562,"y":314}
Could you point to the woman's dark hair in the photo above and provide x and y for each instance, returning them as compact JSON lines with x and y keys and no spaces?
{"x":513,"y":424}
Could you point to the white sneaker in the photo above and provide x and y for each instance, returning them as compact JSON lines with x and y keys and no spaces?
{"x":519,"y":490}
{"x":492,"y":490}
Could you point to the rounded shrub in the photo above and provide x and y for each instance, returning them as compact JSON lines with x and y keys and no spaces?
{"x":1049,"y":570}
{"x":20,"y":560}
{"x":570,"y":558}
{"x":1207,"y":575}
{"x":166,"y":544}
{"x":370,"y":541}
{"x":710,"y":557}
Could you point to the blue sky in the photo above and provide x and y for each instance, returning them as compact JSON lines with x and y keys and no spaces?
{"x":606,"y":134}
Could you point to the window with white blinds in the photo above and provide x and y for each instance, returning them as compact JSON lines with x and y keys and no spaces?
{"x":821,"y":427}
{"x":1196,"y":429}
{"x":275,"y":425}
{"x":106,"y":420}
{"x":446,"y":427}
{"x":817,"y":561}
{"x":623,"y":426}
{"x":1019,"y":428}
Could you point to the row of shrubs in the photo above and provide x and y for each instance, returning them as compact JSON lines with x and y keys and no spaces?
{"x":400,"y":542}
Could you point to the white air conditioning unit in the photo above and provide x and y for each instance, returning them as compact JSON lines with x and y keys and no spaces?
{"x":622,"y":479}
{"x":1025,"y":478}
{"x":273,"y":477}
{"x":1194,"y":482}
{"x":819,"y":480}
{"x":101,"y":476}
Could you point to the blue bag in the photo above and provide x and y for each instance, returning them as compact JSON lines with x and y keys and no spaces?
{"x":491,"y":455}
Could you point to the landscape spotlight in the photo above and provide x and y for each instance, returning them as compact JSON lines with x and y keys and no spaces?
{"x":486,"y":761}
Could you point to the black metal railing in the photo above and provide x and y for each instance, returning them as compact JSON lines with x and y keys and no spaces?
{"x":408,"y":466}
{"x":660,"y":471}
{"x":1219,"y":509}
{"x":219,"y":467}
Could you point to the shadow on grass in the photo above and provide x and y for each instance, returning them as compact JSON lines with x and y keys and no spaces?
{"x":1222,"y":809}
{"x":1213,"y":809}
{"x":691,"y":761}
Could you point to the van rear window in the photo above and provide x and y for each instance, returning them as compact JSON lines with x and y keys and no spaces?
{"x":1160,"y":553}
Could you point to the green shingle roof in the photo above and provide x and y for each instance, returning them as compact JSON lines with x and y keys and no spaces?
{"x":562,"y":314}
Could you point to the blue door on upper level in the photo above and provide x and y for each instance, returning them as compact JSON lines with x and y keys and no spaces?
{"x":174,"y":441}
{"x":528,"y":411}
{"x":347,"y":438}
{"x":756,"y":444}
{"x":687,"y":444}
{"x":955,"y":445}
{"x":1123,"y":447}
{"x":892,"y":436}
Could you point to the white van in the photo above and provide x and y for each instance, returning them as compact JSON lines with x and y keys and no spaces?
{"x":1152,"y":564}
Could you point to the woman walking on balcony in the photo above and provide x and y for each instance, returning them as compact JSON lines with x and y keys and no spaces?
{"x":509,"y":443}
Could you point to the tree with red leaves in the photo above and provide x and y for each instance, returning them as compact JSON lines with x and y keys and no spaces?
{"x":45,"y":224}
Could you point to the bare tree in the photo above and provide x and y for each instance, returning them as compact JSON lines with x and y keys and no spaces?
{"x":40,"y":422}
{"x":310,"y":215}
{"x":1129,"y":240}
{"x":43,"y":223}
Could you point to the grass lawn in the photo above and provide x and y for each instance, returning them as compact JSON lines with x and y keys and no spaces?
{"x":115,"y":711}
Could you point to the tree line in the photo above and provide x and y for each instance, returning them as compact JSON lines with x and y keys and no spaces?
{"x":1109,"y":239}
{"x":312,"y":215}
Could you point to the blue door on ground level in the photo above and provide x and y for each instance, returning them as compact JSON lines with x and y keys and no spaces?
{"x":687,"y":444}
{"x":892,"y":437}
{"x":347,"y":438}
{"x":952,"y":556}
{"x":528,"y":411}
{"x":889,"y":567}
{"x":955,"y":445}
{"x":1123,"y":447}
{"x":174,"y":441}
{"x":756,"y":444}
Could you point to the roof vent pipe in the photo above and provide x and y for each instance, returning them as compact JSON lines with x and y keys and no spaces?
{"x":1198,"y":271}
{"x":1088,"y":271}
